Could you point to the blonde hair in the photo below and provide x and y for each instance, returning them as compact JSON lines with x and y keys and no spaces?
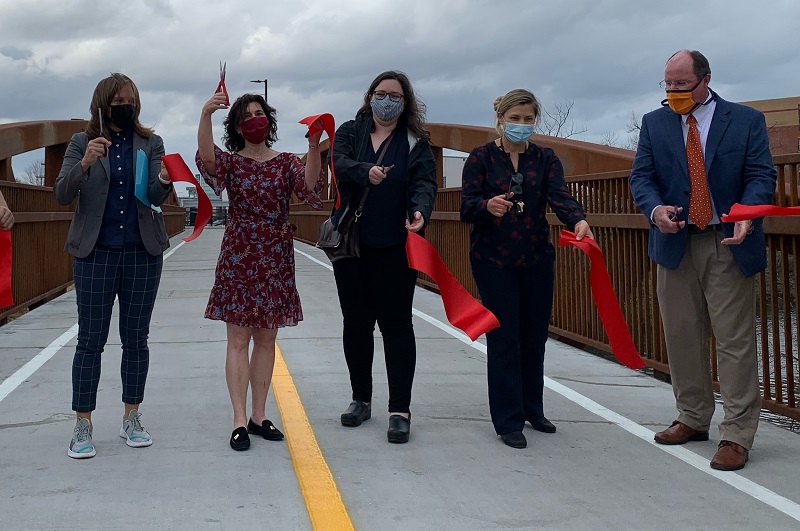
{"x":513,"y":98}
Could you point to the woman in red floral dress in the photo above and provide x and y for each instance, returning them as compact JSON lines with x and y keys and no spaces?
{"x":254,"y":286}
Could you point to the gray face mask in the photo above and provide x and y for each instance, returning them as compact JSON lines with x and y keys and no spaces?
{"x":386,"y":110}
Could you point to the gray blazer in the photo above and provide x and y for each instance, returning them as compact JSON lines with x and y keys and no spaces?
{"x":91,"y":189}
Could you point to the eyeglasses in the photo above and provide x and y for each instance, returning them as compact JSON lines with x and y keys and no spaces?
{"x":380,"y":94}
{"x":676,"y":85}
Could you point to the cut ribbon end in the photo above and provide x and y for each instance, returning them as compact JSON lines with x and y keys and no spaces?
{"x":461,"y":308}
{"x":180,"y":172}
{"x":605,"y":299}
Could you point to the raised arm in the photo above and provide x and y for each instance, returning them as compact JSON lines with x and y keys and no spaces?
{"x":313,"y":159}
{"x":205,"y":133}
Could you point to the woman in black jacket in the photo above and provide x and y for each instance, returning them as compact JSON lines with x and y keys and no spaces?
{"x":379,"y":286}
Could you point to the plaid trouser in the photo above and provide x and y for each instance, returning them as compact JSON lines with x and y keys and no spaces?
{"x":132,"y":275}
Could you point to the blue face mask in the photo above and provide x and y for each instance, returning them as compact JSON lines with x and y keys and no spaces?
{"x":386,"y":110}
{"x":517,"y":133}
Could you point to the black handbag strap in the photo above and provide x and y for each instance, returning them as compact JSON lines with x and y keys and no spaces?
{"x":360,"y":208}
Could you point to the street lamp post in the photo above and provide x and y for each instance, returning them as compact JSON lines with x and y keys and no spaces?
{"x":265,"y":85}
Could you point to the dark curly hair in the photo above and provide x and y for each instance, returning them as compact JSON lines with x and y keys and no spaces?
{"x":232,"y":139}
{"x":413,"y":115}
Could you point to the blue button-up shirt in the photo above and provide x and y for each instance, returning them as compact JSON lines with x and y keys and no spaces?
{"x":121,"y":219}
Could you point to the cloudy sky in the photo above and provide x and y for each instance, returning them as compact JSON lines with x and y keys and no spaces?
{"x":604,"y":56}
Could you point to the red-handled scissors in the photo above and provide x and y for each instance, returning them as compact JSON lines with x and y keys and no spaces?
{"x":221,"y":87}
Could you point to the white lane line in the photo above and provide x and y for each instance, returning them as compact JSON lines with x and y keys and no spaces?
{"x":27,"y":370}
{"x":751,"y":488}
{"x":175,"y":249}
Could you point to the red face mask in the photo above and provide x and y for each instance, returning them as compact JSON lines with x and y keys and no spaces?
{"x":255,"y":130}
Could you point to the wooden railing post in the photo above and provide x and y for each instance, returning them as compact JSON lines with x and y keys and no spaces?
{"x":53,"y":158}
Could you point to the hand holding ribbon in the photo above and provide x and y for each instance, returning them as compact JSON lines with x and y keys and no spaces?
{"x":318,"y":123}
{"x":461,"y":308}
{"x":180,"y":172}
{"x":741,"y":212}
{"x":606,"y":302}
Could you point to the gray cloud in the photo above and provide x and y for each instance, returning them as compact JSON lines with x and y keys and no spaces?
{"x":606,"y":56}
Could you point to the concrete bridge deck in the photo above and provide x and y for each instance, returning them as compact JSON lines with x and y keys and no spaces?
{"x":600,"y":470}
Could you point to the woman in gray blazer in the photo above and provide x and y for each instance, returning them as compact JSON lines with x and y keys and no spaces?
{"x":117,"y":237}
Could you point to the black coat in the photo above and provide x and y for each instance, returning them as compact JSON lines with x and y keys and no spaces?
{"x":351,"y":146}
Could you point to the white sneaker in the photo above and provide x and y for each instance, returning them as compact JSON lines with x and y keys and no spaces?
{"x":132,"y":431}
{"x":81,"y":447}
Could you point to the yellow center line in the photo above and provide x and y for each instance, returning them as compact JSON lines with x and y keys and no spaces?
{"x":323,"y":501}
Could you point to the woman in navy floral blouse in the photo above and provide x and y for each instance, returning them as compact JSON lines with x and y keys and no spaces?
{"x":506,"y":187}
{"x":254,"y":286}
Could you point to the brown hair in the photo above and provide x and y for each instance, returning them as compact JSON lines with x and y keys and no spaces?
{"x":413,"y":115}
{"x":104,"y":93}
{"x":232,"y":139}
{"x":512,"y":99}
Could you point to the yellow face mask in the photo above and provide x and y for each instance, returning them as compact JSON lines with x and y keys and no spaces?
{"x":680,"y":101}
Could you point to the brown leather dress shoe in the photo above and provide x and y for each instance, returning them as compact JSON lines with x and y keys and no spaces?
{"x":680,"y":433}
{"x":729,"y":456}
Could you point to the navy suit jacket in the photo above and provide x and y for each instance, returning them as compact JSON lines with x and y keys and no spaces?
{"x":739,"y":170}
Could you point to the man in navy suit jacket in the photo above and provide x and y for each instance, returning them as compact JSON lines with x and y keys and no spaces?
{"x":706,"y":268}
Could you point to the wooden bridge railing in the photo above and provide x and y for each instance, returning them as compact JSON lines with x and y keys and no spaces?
{"x":597,"y":175}
{"x":621,"y":231}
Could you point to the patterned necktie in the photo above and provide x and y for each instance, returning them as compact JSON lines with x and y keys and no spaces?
{"x":699,"y":198}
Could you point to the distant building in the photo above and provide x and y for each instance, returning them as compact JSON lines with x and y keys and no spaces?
{"x":219,"y":203}
{"x":783,"y":123}
{"x":451,"y":168}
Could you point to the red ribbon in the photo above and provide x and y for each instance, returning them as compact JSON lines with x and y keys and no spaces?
{"x":461,"y":308}
{"x":329,"y":126}
{"x":180,"y":172}
{"x":5,"y":269}
{"x":606,"y":301}
{"x":741,"y":212}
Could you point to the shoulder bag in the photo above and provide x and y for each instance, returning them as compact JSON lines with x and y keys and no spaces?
{"x":342,"y":241}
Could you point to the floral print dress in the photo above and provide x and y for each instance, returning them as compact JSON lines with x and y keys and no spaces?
{"x":254,"y":283}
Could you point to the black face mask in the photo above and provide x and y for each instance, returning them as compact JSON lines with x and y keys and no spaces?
{"x":122,"y":115}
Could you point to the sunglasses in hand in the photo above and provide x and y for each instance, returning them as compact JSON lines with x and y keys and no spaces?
{"x":515,"y":187}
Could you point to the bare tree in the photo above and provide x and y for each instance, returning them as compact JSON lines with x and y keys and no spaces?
{"x":633,"y":127}
{"x":34,"y":173}
{"x":610,"y":138}
{"x":556,"y":122}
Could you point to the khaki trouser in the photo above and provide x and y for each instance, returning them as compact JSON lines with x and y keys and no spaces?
{"x":708,"y":292}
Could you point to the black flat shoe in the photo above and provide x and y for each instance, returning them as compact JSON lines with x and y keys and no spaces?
{"x":356,"y":413}
{"x":399,"y":429}
{"x":266,"y":430}
{"x":239,"y":439}
{"x":543,"y":425}
{"x":515,"y":439}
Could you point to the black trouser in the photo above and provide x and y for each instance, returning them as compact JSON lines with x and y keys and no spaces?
{"x":131,"y":275}
{"x":522,"y":300}
{"x":378,"y":287}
